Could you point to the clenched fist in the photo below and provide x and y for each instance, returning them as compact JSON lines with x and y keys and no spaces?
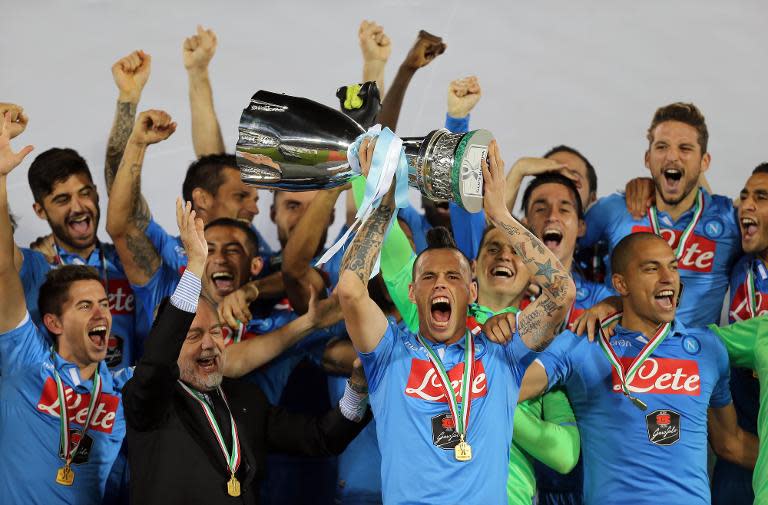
{"x":152,"y":126}
{"x":463,"y":95}
{"x":426,"y":48}
{"x":131,"y":74}
{"x":374,"y":43}
{"x":18,"y":120}
{"x":199,"y":50}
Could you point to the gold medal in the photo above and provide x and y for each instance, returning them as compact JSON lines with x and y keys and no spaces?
{"x":233,"y":486}
{"x":462,"y":451}
{"x":65,"y":476}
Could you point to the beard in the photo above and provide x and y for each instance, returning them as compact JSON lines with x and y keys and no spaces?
{"x":690,"y":186}
{"x":63,"y":235}
{"x":200,"y":382}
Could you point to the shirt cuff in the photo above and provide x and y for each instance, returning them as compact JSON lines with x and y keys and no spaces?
{"x":457,"y":124}
{"x":187,"y":293}
{"x":353,"y":404}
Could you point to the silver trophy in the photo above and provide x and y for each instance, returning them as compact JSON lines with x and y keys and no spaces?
{"x":295,"y":144}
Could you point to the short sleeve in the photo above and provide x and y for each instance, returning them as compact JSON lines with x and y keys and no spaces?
{"x":721,"y":394}
{"x":740,"y":338}
{"x":159,"y":286}
{"x":376,"y":362}
{"x":557,"y":359}
{"x":170,"y":249}
{"x":34,"y":268}
{"x":598,"y":219}
{"x":22,"y":346}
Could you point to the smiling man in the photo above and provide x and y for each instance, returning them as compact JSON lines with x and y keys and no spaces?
{"x":644,"y":395}
{"x":411,"y":376}
{"x":59,"y":406}
{"x":700,"y":227}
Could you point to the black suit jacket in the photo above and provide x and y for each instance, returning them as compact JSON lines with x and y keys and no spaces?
{"x":172,"y":452}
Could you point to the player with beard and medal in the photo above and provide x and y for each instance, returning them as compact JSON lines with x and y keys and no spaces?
{"x":61,"y":418}
{"x":702,"y":228}
{"x":643,"y":394}
{"x":409,"y":374}
{"x":206,"y":438}
{"x":66,"y":196}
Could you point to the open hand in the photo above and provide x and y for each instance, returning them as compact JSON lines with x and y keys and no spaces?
{"x":493,"y":182}
{"x":19,"y":120}
{"x":192,"y":236}
{"x":9,"y":159}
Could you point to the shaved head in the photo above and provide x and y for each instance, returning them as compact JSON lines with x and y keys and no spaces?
{"x":626,"y":248}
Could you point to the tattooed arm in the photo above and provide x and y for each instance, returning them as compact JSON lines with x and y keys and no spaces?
{"x":365,"y":321}
{"x":130,"y":74}
{"x":126,"y":216}
{"x":540,"y":321}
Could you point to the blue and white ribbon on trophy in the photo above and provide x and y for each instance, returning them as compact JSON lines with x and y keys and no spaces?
{"x":388,"y":163}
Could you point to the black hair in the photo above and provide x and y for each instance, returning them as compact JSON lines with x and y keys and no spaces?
{"x":253,"y":239}
{"x":591,"y":173}
{"x":624,"y":250}
{"x":553,"y":178}
{"x":53,"y":166}
{"x":686,"y":113}
{"x":207,"y":173}
{"x":438,"y":238}
{"x":762,"y":168}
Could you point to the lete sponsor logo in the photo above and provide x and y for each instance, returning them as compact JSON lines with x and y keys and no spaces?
{"x":699,"y":254}
{"x":424,"y":383}
{"x":77,"y":404}
{"x":121,"y":299}
{"x":662,"y":376}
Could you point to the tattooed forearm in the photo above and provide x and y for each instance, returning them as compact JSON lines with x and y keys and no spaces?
{"x":118,"y":138}
{"x":361,"y":254}
{"x":536,"y":330}
{"x":143,"y":254}
{"x":139,"y":208}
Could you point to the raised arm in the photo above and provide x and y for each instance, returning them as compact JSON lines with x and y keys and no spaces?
{"x":426,"y":48}
{"x":524,"y":167}
{"x":12,"y":304}
{"x":130,"y":74}
{"x":147,"y":396}
{"x":366,"y":323}
{"x":16,"y":125}
{"x":127,"y":218}
{"x":248,"y":355}
{"x":206,"y":134}
{"x":728,"y":439}
{"x":539,"y":322}
{"x":298,"y":273}
{"x":376,"y":48}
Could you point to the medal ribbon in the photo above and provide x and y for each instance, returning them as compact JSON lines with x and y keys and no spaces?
{"x":626,"y":375}
{"x":232,"y":458}
{"x":64,"y":438}
{"x":751,"y":293}
{"x":459,"y":412}
{"x":698,"y":210}
{"x":58,"y":260}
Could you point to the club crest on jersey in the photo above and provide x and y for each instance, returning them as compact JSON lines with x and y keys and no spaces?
{"x":663,"y":427}
{"x":114,"y":351}
{"x":424,"y":384}
{"x":713,"y":228}
{"x":444,"y":434}
{"x":662,"y":376}
{"x":77,"y":405}
{"x":699,"y":255}
{"x":691,"y":345}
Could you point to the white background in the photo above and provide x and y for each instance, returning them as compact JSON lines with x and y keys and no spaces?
{"x":589,"y":74}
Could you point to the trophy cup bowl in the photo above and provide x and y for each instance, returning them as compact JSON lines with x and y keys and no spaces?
{"x":295,"y":144}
